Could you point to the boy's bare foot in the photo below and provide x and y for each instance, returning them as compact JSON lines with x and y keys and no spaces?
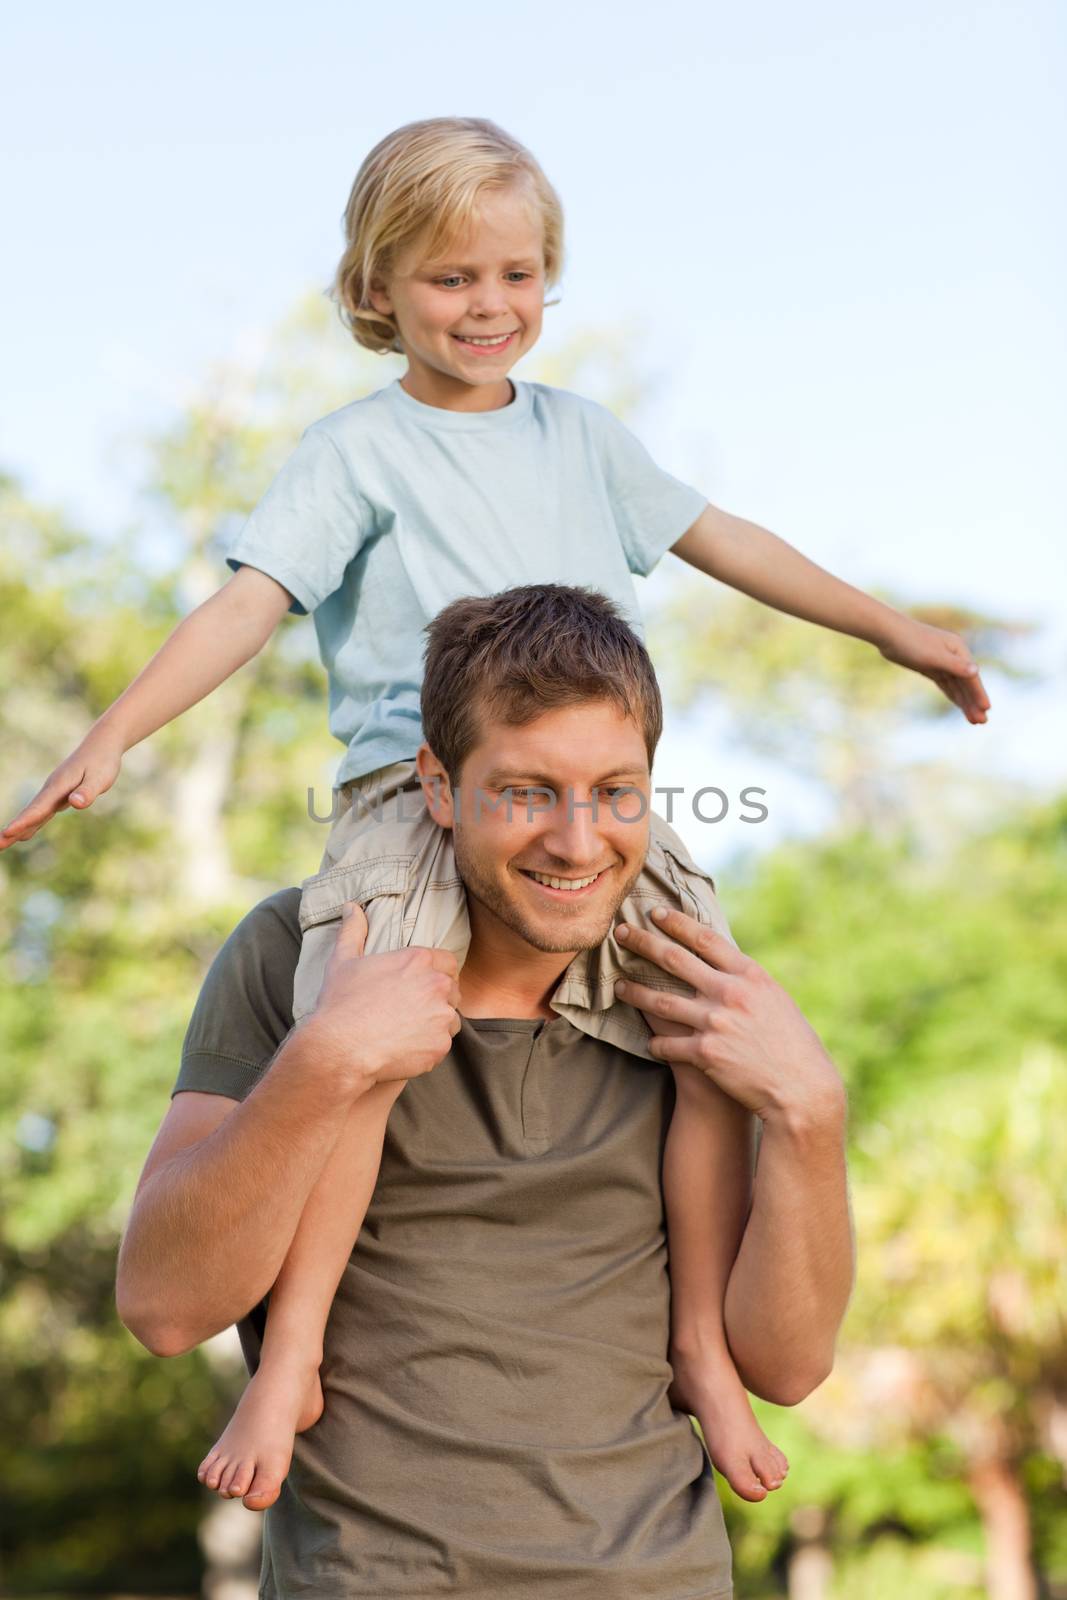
{"x":252,"y":1458}
{"x":711,"y":1391}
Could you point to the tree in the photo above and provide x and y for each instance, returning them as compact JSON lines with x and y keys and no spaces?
{"x":108,"y":920}
{"x":940,"y":988}
{"x":959,"y":1322}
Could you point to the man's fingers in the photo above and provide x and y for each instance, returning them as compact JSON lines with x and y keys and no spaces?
{"x":354,"y":931}
{"x":443,"y":961}
{"x":710,"y":949}
{"x":677,"y":1047}
{"x":671,"y":1007}
{"x":353,"y":926}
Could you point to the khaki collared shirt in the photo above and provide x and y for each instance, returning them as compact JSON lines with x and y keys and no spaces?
{"x":496,"y":1420}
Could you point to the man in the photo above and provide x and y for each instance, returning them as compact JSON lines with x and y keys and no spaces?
{"x":496,"y":1419}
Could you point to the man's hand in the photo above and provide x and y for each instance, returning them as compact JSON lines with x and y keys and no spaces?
{"x":394,"y":1015}
{"x":744,"y":1031}
{"x":942,"y":657}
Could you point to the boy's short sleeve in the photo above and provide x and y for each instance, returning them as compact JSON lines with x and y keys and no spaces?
{"x":309,"y":524}
{"x":652,"y":509}
{"x":245,"y":1008}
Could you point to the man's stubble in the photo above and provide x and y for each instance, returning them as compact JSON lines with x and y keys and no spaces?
{"x":491,"y":894}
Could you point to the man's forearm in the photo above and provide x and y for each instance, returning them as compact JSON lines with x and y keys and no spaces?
{"x":760,"y":564}
{"x":790,"y":1283}
{"x":210,"y":1229}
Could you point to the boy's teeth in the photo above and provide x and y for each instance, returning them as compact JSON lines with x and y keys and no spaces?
{"x":467,"y":339}
{"x":564,"y":883}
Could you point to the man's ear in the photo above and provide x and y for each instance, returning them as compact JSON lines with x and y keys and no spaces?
{"x":436,"y":787}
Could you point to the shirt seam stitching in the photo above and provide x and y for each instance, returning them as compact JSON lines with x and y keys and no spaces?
{"x":220,"y":1055}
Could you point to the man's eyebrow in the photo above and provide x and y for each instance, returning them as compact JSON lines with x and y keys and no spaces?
{"x":501,"y":777}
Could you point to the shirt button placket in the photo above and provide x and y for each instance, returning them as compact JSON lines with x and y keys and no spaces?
{"x":535,"y":1129}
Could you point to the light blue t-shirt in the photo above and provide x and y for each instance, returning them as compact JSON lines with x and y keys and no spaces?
{"x":388,"y":509}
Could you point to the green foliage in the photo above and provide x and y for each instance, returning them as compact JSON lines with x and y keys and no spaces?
{"x":916,"y":971}
{"x":938,"y":983}
{"x":104,"y":946}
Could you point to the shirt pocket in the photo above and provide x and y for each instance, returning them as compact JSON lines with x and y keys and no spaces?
{"x":377,"y":883}
{"x":686,"y":885}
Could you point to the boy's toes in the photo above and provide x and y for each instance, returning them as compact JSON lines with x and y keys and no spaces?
{"x":226,"y":1475}
{"x":264,"y":1489}
{"x":210,"y":1470}
{"x":742,"y":1480}
{"x":747,"y":1485}
{"x":240,"y":1479}
{"x":770,"y":1467}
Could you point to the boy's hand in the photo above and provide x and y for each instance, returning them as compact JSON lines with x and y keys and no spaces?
{"x":944,"y":658}
{"x":88,"y":771}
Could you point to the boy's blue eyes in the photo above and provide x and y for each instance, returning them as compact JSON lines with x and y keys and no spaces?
{"x":454,"y":278}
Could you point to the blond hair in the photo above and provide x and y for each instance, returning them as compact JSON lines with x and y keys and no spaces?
{"x":420,"y":186}
{"x":511,"y":657}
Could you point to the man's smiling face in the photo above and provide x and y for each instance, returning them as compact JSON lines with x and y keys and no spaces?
{"x":557,"y":869}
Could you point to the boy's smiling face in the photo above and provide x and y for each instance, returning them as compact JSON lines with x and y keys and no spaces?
{"x":489,"y":286}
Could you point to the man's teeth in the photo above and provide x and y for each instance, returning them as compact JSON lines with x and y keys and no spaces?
{"x":501,"y":338}
{"x":564,"y":883}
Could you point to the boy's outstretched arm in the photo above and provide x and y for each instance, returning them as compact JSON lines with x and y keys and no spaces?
{"x":205,"y":649}
{"x":757,"y":562}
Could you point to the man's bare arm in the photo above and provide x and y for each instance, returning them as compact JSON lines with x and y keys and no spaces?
{"x":222,"y":1191}
{"x":790,"y":1282}
{"x":789,"y":1286}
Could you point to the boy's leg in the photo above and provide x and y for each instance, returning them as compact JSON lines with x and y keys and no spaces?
{"x":707,"y":1186}
{"x":385,"y":851}
{"x":284,"y":1396}
{"x":349,"y":858}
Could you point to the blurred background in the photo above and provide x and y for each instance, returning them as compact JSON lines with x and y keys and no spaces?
{"x":815,"y":264}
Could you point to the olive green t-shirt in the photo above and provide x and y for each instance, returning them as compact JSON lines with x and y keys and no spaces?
{"x":496,"y":1423}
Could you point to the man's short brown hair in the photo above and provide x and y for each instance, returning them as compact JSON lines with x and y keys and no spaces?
{"x":510,"y":657}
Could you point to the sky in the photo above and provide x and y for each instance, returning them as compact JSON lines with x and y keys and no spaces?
{"x":834,"y":235}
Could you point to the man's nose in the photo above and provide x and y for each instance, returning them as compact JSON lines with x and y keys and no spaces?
{"x":573,"y":835}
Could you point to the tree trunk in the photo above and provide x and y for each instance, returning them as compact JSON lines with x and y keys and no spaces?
{"x":231,"y":1539}
{"x":1005,"y":1514}
{"x":199,"y":797}
{"x":811,"y":1565}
